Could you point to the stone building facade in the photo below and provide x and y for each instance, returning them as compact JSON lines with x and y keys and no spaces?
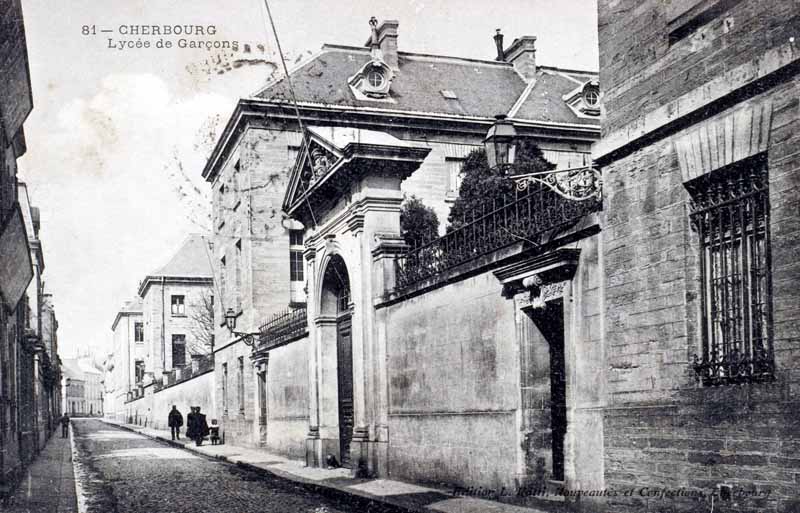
{"x":415,"y":118}
{"x":700,"y":250}
{"x":126,"y":367}
{"x":174,"y":298}
{"x":15,"y":105}
{"x":162,"y":340}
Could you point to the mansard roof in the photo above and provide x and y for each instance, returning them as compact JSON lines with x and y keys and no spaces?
{"x":333,"y":157}
{"x":434,"y":84}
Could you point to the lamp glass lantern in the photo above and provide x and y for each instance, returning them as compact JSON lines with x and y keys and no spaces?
{"x":500,"y":142}
{"x":230,"y":319}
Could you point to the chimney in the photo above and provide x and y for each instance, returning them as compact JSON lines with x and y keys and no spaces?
{"x":498,"y":42}
{"x":387,"y":42}
{"x":522,"y":54}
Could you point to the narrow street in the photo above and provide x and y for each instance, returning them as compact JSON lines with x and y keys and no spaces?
{"x":120,"y":471}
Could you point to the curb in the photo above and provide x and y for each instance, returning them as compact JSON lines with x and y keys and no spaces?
{"x":359,"y":500}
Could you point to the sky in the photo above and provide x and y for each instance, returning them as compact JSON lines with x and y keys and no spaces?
{"x":118,"y":137}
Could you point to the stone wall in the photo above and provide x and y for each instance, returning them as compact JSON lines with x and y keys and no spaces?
{"x":662,"y":428}
{"x":287,"y":399}
{"x":640,"y":70}
{"x":453,"y":385}
{"x":154,"y":407}
{"x":238,"y":419}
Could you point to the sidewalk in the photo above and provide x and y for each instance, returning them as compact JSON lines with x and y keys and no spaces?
{"x":49,"y":483}
{"x":400,"y":495}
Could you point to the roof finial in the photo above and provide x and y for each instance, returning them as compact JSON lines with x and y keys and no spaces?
{"x":374,"y":44}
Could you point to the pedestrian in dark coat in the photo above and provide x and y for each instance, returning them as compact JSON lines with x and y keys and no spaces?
{"x":191,"y":424}
{"x":64,"y":426}
{"x":175,"y":421}
{"x":201,"y":430}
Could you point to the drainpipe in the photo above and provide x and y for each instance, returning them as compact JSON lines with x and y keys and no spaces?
{"x":163,"y":321}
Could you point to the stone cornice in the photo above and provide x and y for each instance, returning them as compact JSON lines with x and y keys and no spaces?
{"x":730,"y":85}
{"x":184,"y":280}
{"x":388,"y":245}
{"x":283,"y":114}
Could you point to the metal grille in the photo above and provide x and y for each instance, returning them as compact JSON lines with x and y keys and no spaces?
{"x":519,"y":216}
{"x":730,"y":211}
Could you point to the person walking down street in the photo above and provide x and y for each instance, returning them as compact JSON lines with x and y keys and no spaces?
{"x":64,"y":425}
{"x":175,"y":421}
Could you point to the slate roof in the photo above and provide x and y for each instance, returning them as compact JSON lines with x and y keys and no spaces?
{"x":483,"y":88}
{"x":190,"y":261}
{"x":132,"y":306}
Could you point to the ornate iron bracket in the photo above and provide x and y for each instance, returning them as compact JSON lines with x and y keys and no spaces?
{"x":249,"y":339}
{"x":578,"y":184}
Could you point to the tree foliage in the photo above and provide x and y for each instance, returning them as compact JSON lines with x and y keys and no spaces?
{"x":202,"y":326}
{"x":418,"y":222}
{"x":482,"y":187}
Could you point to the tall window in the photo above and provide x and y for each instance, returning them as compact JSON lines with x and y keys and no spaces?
{"x":296,"y":255}
{"x":730,"y":211}
{"x":139,"y":371}
{"x":454,"y":175}
{"x":240,"y":385}
{"x":178,"y":308}
{"x":138,"y":332}
{"x":223,"y":278}
{"x":221,"y":206}
{"x":178,"y":350}
{"x":224,"y":388}
{"x":236,"y":187}
{"x":238,"y":275}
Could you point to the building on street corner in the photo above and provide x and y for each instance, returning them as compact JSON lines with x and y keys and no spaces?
{"x":126,"y":363}
{"x":700,"y":170}
{"x":343,"y":345}
{"x":162,"y":340}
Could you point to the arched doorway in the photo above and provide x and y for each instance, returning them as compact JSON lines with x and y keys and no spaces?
{"x":335,"y":301}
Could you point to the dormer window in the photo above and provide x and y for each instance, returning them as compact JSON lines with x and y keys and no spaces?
{"x":372,"y":81}
{"x":584,"y":100}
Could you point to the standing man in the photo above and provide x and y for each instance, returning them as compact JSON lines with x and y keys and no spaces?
{"x":191,"y":424}
{"x":202,"y":425}
{"x":175,"y":421}
{"x":64,"y":425}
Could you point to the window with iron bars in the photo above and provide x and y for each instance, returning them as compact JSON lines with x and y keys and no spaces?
{"x":730,"y":211}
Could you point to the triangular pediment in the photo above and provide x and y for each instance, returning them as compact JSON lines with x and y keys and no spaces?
{"x":315,"y":159}
{"x":331,"y":158}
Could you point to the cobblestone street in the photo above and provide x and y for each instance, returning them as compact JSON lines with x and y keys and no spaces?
{"x":120,"y":471}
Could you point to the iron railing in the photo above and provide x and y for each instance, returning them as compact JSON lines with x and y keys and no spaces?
{"x":523,"y":215}
{"x":284,"y":326}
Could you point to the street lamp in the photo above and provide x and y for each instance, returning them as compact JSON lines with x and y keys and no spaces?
{"x":500,"y":142}
{"x":578,"y":183}
{"x":230,"y":321}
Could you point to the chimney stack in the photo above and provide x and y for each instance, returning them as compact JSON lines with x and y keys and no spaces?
{"x":522,"y":54}
{"x":387,"y":42}
{"x":498,"y":42}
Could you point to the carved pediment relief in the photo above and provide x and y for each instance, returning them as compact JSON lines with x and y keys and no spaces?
{"x":316,"y":163}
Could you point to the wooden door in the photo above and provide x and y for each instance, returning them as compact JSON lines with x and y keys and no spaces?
{"x":344,"y":360}
{"x":550,"y":322}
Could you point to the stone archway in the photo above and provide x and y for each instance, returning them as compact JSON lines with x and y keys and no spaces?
{"x":335,"y":303}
